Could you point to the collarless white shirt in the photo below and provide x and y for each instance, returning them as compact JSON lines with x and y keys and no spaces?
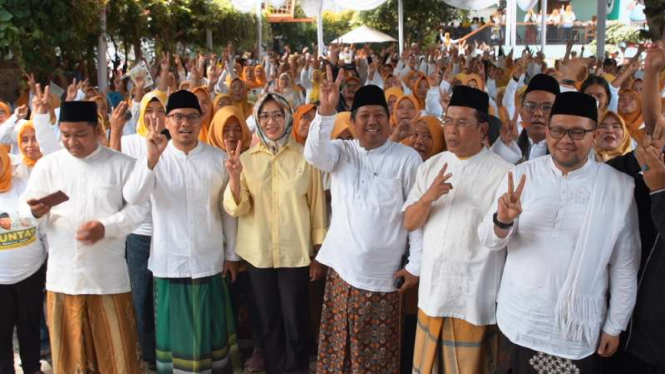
{"x":540,"y":247}
{"x":94,"y":186}
{"x":366,"y":239}
{"x":192,"y":234}
{"x":459,"y":276}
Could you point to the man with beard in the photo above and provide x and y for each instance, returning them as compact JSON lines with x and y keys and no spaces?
{"x":349,"y":89}
{"x":535,"y":112}
{"x":569,"y":282}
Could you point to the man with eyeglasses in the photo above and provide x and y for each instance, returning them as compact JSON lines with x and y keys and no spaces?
{"x":193,"y":242}
{"x":573,"y":250}
{"x":459,"y":277}
{"x":535,"y":113}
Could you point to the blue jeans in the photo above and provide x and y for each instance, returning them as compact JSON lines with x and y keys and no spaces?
{"x":138,"y":251}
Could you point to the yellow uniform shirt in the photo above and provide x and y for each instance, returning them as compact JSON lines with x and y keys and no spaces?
{"x":281,"y":212}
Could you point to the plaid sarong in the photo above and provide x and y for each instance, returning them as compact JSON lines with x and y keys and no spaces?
{"x":447,"y":345}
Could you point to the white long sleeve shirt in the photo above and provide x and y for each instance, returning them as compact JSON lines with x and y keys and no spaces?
{"x":94,"y":186}
{"x":192,"y":234}
{"x":509,"y":95}
{"x":134,"y":146}
{"x":459,"y":276}
{"x":366,"y":239}
{"x":540,"y":246}
{"x":46,"y":133}
{"x":9,"y":133}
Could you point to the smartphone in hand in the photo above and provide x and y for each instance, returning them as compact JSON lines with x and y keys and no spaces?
{"x":54,"y":199}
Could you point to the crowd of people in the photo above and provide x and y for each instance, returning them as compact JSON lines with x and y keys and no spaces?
{"x":442,"y":210}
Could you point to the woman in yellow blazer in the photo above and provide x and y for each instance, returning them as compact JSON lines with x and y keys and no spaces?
{"x":280,"y":204}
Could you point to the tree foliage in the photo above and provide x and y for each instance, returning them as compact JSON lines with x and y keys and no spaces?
{"x":421,"y":18}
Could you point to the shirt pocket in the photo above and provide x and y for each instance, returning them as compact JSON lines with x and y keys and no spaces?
{"x":385,"y":191}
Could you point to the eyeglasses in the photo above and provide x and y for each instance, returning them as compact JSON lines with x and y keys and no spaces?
{"x":531,"y":107}
{"x":460,"y":123}
{"x":575,"y":134}
{"x":191,"y":118}
{"x":275,"y":116}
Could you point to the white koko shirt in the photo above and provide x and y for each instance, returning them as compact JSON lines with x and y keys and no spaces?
{"x":366,"y":238}
{"x":94,"y":186}
{"x":459,"y":276}
{"x":541,"y":246}
{"x":192,"y":234}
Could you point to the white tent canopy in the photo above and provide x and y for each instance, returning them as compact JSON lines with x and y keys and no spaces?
{"x":364,"y":34}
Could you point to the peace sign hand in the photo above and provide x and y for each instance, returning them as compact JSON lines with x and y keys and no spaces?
{"x":155,"y":141}
{"x":118,"y":117}
{"x":508,"y":132}
{"x":510,"y":204}
{"x":652,"y":160}
{"x":233,"y":164}
{"x":41,"y":102}
{"x":439,"y":186}
{"x":329,"y":92}
{"x":72,"y":90}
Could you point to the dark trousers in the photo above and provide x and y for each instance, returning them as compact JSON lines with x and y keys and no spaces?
{"x":138,"y":252}
{"x":22,"y":306}
{"x":526,"y":361}
{"x":242,"y":294}
{"x":282,"y":302}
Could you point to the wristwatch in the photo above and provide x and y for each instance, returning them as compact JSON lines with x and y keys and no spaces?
{"x":501,"y":225}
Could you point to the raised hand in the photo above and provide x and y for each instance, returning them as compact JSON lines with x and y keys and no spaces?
{"x":21,"y":112}
{"x":655,"y":60}
{"x":41,"y":102}
{"x":165,"y":63}
{"x":434,"y":79}
{"x":31,"y":81}
{"x":118,"y":117}
{"x":329,"y":92}
{"x":439,"y":186}
{"x":72,"y":90}
{"x":510,"y":204}
{"x":652,"y":160}
{"x":401,"y":131}
{"x":508,"y":132}
{"x":156,"y":142}
{"x":233,"y":164}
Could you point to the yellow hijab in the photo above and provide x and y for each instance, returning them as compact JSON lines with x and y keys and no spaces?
{"x":342,"y":122}
{"x":626,"y":143}
{"x":219,"y":121}
{"x":6,"y":176}
{"x":26,"y":126}
{"x":634,"y":120}
{"x":141,"y":127}
{"x":436,"y":131}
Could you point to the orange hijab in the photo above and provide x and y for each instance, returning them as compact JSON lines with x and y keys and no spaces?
{"x":251,"y":83}
{"x":394,"y":91}
{"x":474,"y":77}
{"x":5,"y":108}
{"x":296,"y":120}
{"x":436,"y":131}
{"x":393,"y":118}
{"x":414,"y":89}
{"x":219,"y":121}
{"x":634,"y":120}
{"x":260,"y":82}
{"x":205,"y":126}
{"x":26,"y":126}
{"x":6,"y":176}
